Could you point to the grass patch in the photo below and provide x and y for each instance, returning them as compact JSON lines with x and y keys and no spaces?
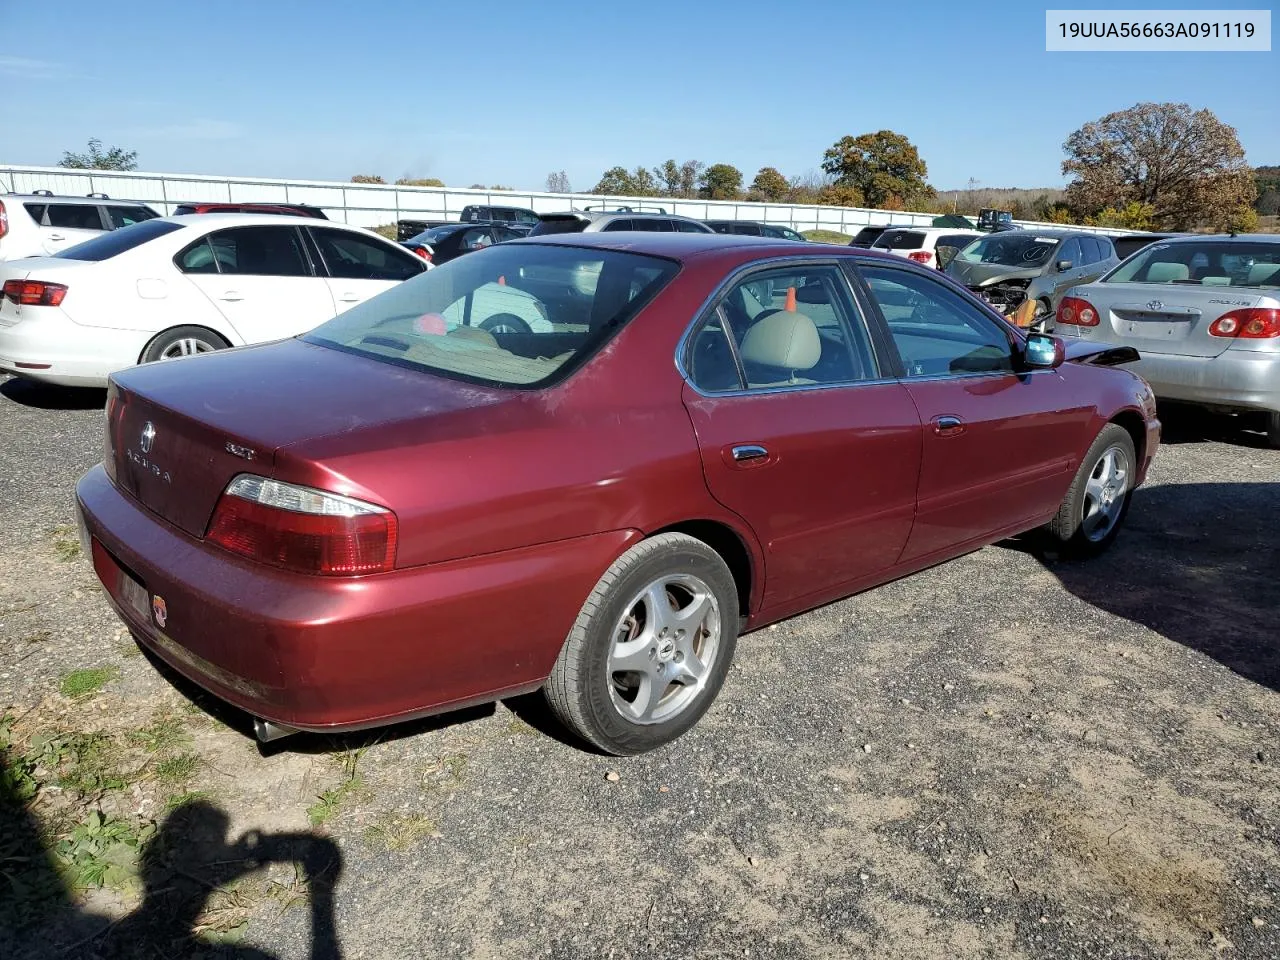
{"x":396,"y":831}
{"x":102,"y":851}
{"x":176,"y":770}
{"x":174,"y":801}
{"x":86,"y":763}
{"x":329,"y":802}
{"x":84,"y":683}
{"x":827,"y":236}
{"x":66,"y":542}
{"x":165,"y":732}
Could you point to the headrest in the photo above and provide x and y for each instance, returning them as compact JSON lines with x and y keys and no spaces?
{"x":1167,"y":272}
{"x":783,"y":339}
{"x":1263,"y":273}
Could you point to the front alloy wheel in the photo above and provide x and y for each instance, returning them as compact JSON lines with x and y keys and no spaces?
{"x":1091,"y":513}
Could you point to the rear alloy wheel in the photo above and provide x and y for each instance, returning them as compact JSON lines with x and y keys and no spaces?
{"x":1090,"y":516}
{"x":182,"y":342}
{"x":650,"y":649}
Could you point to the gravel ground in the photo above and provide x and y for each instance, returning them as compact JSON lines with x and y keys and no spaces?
{"x":1005,"y":756}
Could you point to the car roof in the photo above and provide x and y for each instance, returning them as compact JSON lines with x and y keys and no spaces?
{"x":56,"y":198}
{"x":253,"y":219}
{"x":1219,"y":237}
{"x":626,"y":214}
{"x":690,"y":246}
{"x":1057,"y":233}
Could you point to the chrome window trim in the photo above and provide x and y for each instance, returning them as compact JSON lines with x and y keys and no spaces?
{"x":772,"y":263}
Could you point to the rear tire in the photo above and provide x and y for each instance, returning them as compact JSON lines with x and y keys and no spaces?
{"x":505,"y":323}
{"x":182,"y":342}
{"x":650,"y":649}
{"x":1097,"y":502}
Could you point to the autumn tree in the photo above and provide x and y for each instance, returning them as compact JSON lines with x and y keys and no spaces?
{"x":619,"y":181}
{"x":96,"y":158}
{"x":558,"y":182}
{"x":885,"y":166}
{"x":769,"y":184}
{"x":840,"y":195}
{"x":720,"y":181}
{"x":1188,"y":166}
{"x":367,"y":178}
{"x":419,"y":182}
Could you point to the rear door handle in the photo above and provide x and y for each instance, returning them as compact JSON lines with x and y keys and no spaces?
{"x":232,"y":296}
{"x":56,"y":236}
{"x":948,"y":426}
{"x":746,"y":452}
{"x":349,"y":298}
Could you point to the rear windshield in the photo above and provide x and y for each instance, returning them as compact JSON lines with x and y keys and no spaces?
{"x":900,"y":240}
{"x":1222,"y":263}
{"x":118,"y":241}
{"x":867,"y":234}
{"x":1010,"y":250}
{"x":435,"y":234}
{"x":513,"y":315}
{"x":550,"y":225}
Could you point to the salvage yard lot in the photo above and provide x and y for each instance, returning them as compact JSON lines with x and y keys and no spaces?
{"x":1006,"y":756}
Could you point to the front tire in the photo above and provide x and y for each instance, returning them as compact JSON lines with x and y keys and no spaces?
{"x":1097,"y":502}
{"x":650,"y":649}
{"x":182,"y":342}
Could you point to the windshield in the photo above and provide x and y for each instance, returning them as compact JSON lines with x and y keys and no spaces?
{"x":119,"y":241}
{"x":1009,"y":250}
{"x":1218,"y":263}
{"x":514,"y":315}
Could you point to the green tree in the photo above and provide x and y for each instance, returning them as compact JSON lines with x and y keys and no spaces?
{"x":884,"y":166}
{"x":95,"y":158}
{"x":1187,"y":165}
{"x":770,"y":184}
{"x":619,"y":181}
{"x":419,"y":182}
{"x":367,"y":178}
{"x":720,"y":181}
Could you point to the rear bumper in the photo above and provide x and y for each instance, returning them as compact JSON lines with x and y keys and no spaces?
{"x":321,"y":653}
{"x":48,"y":345}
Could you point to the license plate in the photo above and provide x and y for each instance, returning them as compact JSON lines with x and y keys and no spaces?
{"x":134,"y":595}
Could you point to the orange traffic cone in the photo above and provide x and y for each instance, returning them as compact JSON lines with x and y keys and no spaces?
{"x":790,"y":306}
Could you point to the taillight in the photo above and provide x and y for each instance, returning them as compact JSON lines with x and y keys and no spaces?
{"x":423,"y":252}
{"x":35,"y":293}
{"x":301,"y":529}
{"x":4,"y":219}
{"x":1254,"y":323}
{"x":1077,"y":312}
{"x":920,"y":256}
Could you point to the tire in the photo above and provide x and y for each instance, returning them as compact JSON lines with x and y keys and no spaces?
{"x":1097,"y":502}
{"x":505,"y":323}
{"x":625,"y":712}
{"x":1041,"y":318}
{"x":1273,"y":429}
{"x":181,"y":342}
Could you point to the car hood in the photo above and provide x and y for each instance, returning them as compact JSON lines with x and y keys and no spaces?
{"x":983,"y":274}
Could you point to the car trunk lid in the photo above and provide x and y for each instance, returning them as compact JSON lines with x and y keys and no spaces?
{"x":1164,"y":318}
{"x":180,"y":430}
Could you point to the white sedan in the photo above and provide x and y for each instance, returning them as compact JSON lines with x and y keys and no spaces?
{"x":174,"y":286}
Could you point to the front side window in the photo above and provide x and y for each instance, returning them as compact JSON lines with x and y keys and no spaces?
{"x":260,"y":251}
{"x":119,"y":241}
{"x":791,"y":326}
{"x":1072,"y":253}
{"x":512,"y":315}
{"x":1223,"y":263}
{"x":936,"y":331}
{"x":353,"y":257}
{"x":1010,"y":250}
{"x":74,"y":216}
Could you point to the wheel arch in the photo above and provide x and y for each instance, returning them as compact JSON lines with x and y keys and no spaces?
{"x":1136,"y":427}
{"x":733,"y":549}
{"x":227,"y":341}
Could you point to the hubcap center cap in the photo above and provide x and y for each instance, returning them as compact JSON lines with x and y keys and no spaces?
{"x":666,"y":649}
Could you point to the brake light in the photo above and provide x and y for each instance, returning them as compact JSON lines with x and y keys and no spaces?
{"x":1254,"y":323}
{"x":920,"y":256}
{"x":302,"y":529}
{"x":423,"y":252}
{"x":4,"y":219}
{"x":1077,"y":312}
{"x":35,"y":293}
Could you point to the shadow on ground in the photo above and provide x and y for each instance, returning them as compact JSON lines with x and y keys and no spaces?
{"x":1196,"y":563}
{"x":43,"y":396}
{"x":1183,"y":423}
{"x":180,"y":866}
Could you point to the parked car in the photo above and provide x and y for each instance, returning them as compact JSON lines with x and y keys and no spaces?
{"x":420,"y":515}
{"x":286,"y":209}
{"x":408,"y":229}
{"x":992,"y":221}
{"x":1024,"y":273}
{"x":516,"y":218}
{"x":579,"y":221}
{"x":920,"y":243}
{"x":753,"y":228}
{"x":37,"y":224}
{"x":173,"y":286}
{"x":1203,"y":312}
{"x":441,"y":244}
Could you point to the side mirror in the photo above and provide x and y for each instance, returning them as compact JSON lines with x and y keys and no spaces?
{"x":1044,"y":352}
{"x":1064,"y":266}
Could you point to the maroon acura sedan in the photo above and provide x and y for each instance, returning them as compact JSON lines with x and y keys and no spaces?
{"x":586,"y":464}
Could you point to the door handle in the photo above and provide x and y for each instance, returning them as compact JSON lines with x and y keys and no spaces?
{"x":232,"y":296}
{"x":948,"y":426}
{"x":746,"y":452}
{"x":56,"y":236}
{"x":349,"y":298}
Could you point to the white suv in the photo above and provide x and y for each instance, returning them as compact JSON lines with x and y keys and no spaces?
{"x":39,"y":224}
{"x":922,"y":244}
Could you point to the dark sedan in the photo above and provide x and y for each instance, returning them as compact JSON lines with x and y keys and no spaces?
{"x":443,"y":243}
{"x":702,"y":435}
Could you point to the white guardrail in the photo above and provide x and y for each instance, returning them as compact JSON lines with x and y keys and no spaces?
{"x":372,"y":205}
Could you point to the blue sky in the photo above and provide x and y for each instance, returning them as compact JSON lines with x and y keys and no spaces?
{"x":501,"y":91}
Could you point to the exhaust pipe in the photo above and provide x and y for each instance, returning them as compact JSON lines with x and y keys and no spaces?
{"x":266,"y":731}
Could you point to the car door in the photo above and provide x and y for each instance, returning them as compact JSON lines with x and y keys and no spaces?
{"x":261,"y":279}
{"x":66,"y":224}
{"x":799,"y":433}
{"x":359,"y":267}
{"x":1071,"y":251}
{"x":998,"y":442}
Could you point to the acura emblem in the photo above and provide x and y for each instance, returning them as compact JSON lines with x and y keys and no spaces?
{"x":1151,"y":305}
{"x":148,"y":437}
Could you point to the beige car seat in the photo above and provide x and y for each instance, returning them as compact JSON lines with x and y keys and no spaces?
{"x":785,"y":343}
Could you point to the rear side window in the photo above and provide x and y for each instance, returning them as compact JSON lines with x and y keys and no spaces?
{"x":900,"y":240}
{"x":35,"y":211}
{"x":118,"y":241}
{"x":353,"y":257}
{"x":74,"y":216}
{"x":620,"y":224}
{"x":122,"y":216}
{"x":552,"y":225}
{"x":260,"y":252}
{"x":687,"y":226}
